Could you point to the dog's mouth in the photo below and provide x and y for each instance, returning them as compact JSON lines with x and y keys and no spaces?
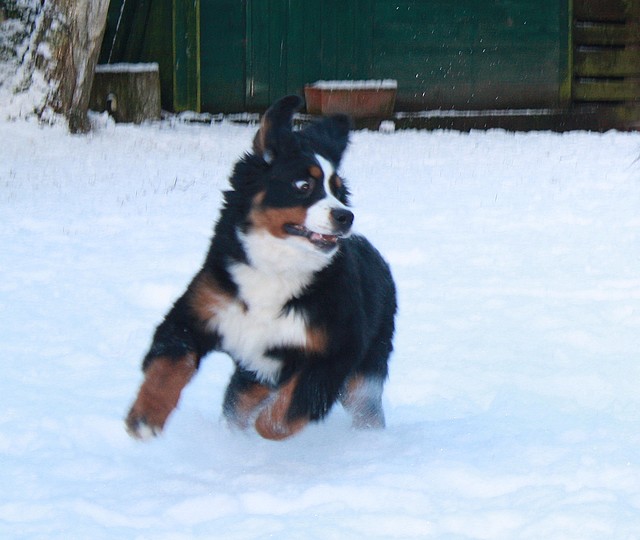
{"x":325,"y":242}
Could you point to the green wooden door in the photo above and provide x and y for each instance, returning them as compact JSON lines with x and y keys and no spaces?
{"x":222,"y":55}
{"x":239,"y":55}
{"x":294,"y":42}
{"x":465,"y":54}
{"x":186,"y":55}
{"x":470,"y":54}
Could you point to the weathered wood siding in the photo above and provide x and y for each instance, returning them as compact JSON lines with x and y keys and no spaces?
{"x":606,"y":51}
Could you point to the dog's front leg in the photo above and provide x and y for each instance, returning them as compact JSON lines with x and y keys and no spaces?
{"x":179,"y":343}
{"x":169,"y":365}
{"x":164,"y":379}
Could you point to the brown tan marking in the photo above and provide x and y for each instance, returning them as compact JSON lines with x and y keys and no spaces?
{"x":247,"y":403}
{"x":316,"y":172}
{"x":259,"y":199}
{"x":159,"y":394}
{"x":260,"y":140}
{"x":316,"y":340}
{"x":273,"y":220}
{"x":206,"y":298}
{"x":272,"y":423}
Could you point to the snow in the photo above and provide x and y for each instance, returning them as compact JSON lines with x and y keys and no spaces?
{"x":128,"y":68}
{"x":453,"y":113}
{"x":373,"y":84}
{"x":513,"y":408}
{"x":23,"y":86}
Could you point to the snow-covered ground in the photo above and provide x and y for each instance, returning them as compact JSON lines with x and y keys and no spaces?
{"x":513,"y":405}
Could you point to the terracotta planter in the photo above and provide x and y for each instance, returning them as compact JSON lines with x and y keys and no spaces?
{"x":359,"y":99}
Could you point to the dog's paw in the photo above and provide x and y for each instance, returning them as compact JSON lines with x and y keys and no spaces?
{"x":140,"y":428}
{"x":273,"y":422}
{"x":271,"y":425}
{"x":164,"y":379}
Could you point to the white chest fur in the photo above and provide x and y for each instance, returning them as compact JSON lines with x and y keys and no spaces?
{"x":257,"y":322}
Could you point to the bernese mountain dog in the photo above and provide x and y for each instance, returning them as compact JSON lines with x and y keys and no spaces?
{"x":304,"y":307}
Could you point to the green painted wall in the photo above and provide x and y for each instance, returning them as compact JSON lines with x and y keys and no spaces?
{"x":237,"y":55}
{"x":222,"y":54}
{"x":293,"y":42}
{"x":186,"y":55}
{"x":472,"y":53}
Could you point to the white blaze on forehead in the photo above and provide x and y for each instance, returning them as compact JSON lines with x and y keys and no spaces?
{"x":327,"y":168}
{"x":319,"y":214}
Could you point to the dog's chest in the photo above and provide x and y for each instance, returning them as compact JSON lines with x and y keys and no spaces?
{"x":256,"y":321}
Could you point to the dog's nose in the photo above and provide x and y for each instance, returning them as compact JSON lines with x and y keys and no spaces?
{"x":342,"y":219}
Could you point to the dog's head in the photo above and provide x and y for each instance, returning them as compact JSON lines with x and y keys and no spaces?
{"x":297,"y":202}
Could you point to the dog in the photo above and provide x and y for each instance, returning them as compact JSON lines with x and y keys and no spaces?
{"x":304,"y":307}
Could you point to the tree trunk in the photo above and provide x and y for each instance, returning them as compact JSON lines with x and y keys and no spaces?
{"x":65,"y":48}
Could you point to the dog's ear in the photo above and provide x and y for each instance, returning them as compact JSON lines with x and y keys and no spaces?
{"x":275,"y":125}
{"x":338,"y":127}
{"x":331,"y":135}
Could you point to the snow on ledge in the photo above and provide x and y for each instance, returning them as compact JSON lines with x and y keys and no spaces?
{"x":381,"y":84}
{"x":457,"y":113}
{"x":127,"y":68}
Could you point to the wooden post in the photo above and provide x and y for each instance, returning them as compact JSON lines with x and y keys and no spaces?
{"x":129,"y":92}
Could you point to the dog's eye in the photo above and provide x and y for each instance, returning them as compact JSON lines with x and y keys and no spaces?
{"x":303,"y":186}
